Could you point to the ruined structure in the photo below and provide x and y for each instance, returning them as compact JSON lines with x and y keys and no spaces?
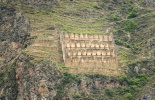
{"x":89,"y":53}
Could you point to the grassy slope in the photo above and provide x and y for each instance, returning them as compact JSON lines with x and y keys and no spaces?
{"x":72,"y":17}
{"x":95,"y":17}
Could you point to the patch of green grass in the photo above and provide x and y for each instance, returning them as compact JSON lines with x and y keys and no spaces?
{"x":61,"y":66}
{"x":65,"y":18}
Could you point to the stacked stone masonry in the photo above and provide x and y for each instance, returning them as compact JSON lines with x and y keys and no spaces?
{"x":88,"y":52}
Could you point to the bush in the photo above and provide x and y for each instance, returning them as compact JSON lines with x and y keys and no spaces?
{"x":109,"y":92}
{"x":68,"y":78}
{"x":123,"y":80}
{"x":122,"y":43}
{"x":120,"y":90}
{"x":78,"y":96}
{"x":133,"y":89}
{"x":132,"y":12}
{"x":154,"y":69}
{"x":133,"y":81}
{"x":153,"y":84}
{"x":128,"y":96}
{"x":140,"y":80}
{"x":97,"y":7}
{"x":143,"y":79}
{"x":114,"y":17}
{"x":94,"y":76}
{"x":130,"y":25}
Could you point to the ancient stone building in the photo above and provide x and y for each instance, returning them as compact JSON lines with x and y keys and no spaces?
{"x":89,"y":53}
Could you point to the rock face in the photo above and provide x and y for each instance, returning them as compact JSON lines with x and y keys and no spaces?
{"x":84,"y":87}
{"x":38,"y":81}
{"x":13,"y":34}
{"x":43,"y":81}
{"x":36,"y":3}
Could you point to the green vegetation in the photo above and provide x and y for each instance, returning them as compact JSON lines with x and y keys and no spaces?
{"x":114,"y":17}
{"x":134,"y":84}
{"x":109,"y":92}
{"x":2,"y":78}
{"x":68,"y":77}
{"x":130,"y":25}
{"x":127,"y":96}
{"x":73,"y":20}
{"x":154,"y":69}
{"x":78,"y":97}
{"x":132,"y":12}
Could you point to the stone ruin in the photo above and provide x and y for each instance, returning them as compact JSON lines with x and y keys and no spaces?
{"x":89,"y":53}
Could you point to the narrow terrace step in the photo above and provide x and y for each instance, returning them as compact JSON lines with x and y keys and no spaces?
{"x":42,"y":49}
{"x":47,"y":57}
{"x":47,"y":32}
{"x":46,"y":48}
{"x":48,"y":42}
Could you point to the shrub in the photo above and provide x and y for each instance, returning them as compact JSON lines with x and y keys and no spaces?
{"x":97,"y":7}
{"x":154,"y":69}
{"x":78,"y":96}
{"x":68,"y":78}
{"x":133,"y":81}
{"x":120,"y":90}
{"x":94,"y":76}
{"x":114,"y":17}
{"x":122,"y":43}
{"x":132,"y":12}
{"x":128,"y":96}
{"x":1,"y":79}
{"x":109,"y":92}
{"x":153,"y":85}
{"x":123,"y":80}
{"x":143,"y":79}
{"x":140,"y":80}
{"x":133,"y":89}
{"x":130,"y":25}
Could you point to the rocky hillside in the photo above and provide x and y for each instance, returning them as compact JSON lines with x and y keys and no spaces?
{"x":31,"y":66}
{"x":14,"y":35}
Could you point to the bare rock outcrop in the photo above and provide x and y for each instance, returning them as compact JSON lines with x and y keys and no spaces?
{"x":38,"y":81}
{"x":14,"y":29}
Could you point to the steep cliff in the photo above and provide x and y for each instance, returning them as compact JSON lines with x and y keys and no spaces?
{"x":36,"y":81}
{"x":13,"y":36}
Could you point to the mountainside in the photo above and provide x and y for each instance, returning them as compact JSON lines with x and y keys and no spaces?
{"x":31,"y":65}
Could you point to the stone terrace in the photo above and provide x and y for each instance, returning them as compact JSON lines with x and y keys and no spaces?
{"x":89,"y":53}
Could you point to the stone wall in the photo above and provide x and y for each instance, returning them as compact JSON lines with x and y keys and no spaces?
{"x":91,"y":52}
